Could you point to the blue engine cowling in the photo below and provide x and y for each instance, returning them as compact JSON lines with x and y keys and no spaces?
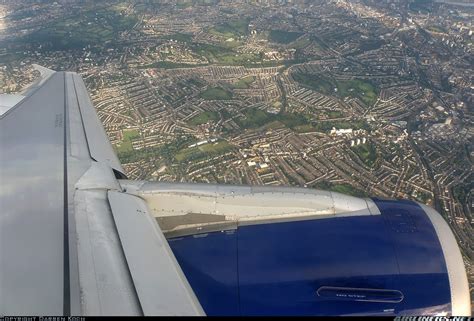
{"x":388,"y":264}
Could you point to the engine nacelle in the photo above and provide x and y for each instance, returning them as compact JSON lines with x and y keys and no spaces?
{"x":403,"y":261}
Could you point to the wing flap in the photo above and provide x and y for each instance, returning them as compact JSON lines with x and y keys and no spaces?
{"x":160,"y":283}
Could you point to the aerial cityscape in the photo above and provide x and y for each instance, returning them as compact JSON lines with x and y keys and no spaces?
{"x":363,"y":97}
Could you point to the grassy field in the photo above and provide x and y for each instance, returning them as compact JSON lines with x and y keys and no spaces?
{"x":284,"y":37}
{"x":304,"y":129}
{"x":254,"y":118}
{"x":315,"y":82}
{"x":167,"y":151}
{"x":126,"y":144}
{"x":203,"y":151}
{"x":243,"y":83}
{"x":232,"y":29}
{"x":184,"y":4}
{"x":335,"y":114}
{"x":341,"y":188}
{"x":301,"y":43}
{"x":216,"y":93}
{"x":348,"y":190}
{"x":129,"y":134}
{"x":292,"y":120}
{"x":360,"y":88}
{"x":366,"y":153}
{"x":274,"y":125}
{"x":203,"y":118}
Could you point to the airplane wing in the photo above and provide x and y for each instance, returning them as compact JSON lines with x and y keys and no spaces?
{"x":78,"y":238}
{"x":71,"y":242}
